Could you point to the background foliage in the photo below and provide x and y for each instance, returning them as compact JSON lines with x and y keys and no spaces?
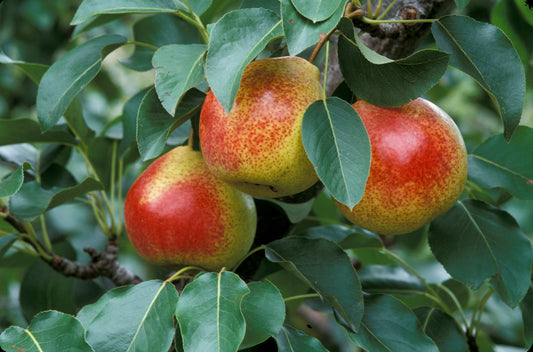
{"x":464,"y":277}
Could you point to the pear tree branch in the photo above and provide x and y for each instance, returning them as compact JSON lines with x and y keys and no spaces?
{"x":101,"y":264}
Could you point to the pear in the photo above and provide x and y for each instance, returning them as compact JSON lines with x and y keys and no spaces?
{"x":177,"y":214}
{"x":257,"y":147}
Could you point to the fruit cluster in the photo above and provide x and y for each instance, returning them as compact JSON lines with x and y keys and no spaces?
{"x":192,"y":208}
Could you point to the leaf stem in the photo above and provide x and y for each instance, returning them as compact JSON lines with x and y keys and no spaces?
{"x":387,"y":9}
{"x":193,"y":19}
{"x":44,"y":231}
{"x":324,"y":85}
{"x":178,"y":274}
{"x":474,"y":323}
{"x":456,"y":302}
{"x":249,"y":254}
{"x":144,"y":45}
{"x":304,"y":296}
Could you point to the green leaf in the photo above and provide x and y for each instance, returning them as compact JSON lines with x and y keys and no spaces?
{"x":69,"y":75}
{"x":292,"y":340}
{"x":326,"y":268}
{"x":389,"y":279}
{"x":154,"y":124}
{"x":48,"y":331}
{"x":491,"y":60}
{"x":158,"y":30}
{"x":475,"y":241}
{"x":264,"y":311}
{"x":32,"y":201}
{"x":32,"y":70}
{"x":442,"y":329}
{"x":90,"y":8}
{"x":345,"y":237}
{"x":14,"y":131}
{"x":382,"y":81}
{"x":200,"y":6}
{"x":219,"y":8}
{"x":498,"y":163}
{"x":319,"y":10}
{"x":236,"y":39}
{"x":6,"y":241}
{"x":301,"y":32}
{"x":132,"y":318}
{"x":388,"y":325}
{"x":129,"y":122}
{"x":507,"y":16}
{"x":12,"y":183}
{"x":43,"y":288}
{"x":336,"y":142}
{"x":172,"y":81}
{"x":526,"y":306}
{"x":209,"y":312}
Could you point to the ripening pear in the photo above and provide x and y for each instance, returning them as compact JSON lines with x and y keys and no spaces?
{"x":177,"y":214}
{"x":257,"y":147}
{"x":418,"y":167}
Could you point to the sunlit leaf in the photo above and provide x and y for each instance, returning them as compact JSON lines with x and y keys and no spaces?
{"x":301,"y":32}
{"x":48,"y":331}
{"x":132,"y":318}
{"x":236,"y":39}
{"x":490,"y":59}
{"x":336,"y":142}
{"x":209,"y":313}
{"x":318,"y":10}
{"x":173,"y":80}
{"x":475,"y":242}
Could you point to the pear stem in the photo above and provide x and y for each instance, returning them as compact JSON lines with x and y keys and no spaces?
{"x":190,"y":142}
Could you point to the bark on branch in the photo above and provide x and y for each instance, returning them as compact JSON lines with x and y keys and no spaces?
{"x":102,"y":264}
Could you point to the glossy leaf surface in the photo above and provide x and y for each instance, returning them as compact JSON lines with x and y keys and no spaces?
{"x":48,"y":331}
{"x":154,"y":124}
{"x":173,"y":80}
{"x":146,"y":324}
{"x":209,"y":313}
{"x":301,"y":32}
{"x":336,"y":142}
{"x":293,"y":340}
{"x":32,"y":200}
{"x":475,"y":242}
{"x":495,"y":65}
{"x":69,"y":75}
{"x":13,"y":182}
{"x":318,"y":10}
{"x":442,"y":329}
{"x":90,"y":8}
{"x":382,"y":81}
{"x":264,"y":311}
{"x":388,"y":325}
{"x":337,"y":282}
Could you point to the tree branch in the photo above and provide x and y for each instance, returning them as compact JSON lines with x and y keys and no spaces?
{"x":398,"y":40}
{"x":103,"y":264}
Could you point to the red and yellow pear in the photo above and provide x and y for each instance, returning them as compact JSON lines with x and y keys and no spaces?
{"x":418,"y":167}
{"x":177,"y":214}
{"x":257,"y":147}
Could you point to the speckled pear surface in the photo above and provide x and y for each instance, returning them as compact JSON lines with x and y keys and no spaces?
{"x":258,"y":147}
{"x":418,"y":167}
{"x":177,"y":213}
